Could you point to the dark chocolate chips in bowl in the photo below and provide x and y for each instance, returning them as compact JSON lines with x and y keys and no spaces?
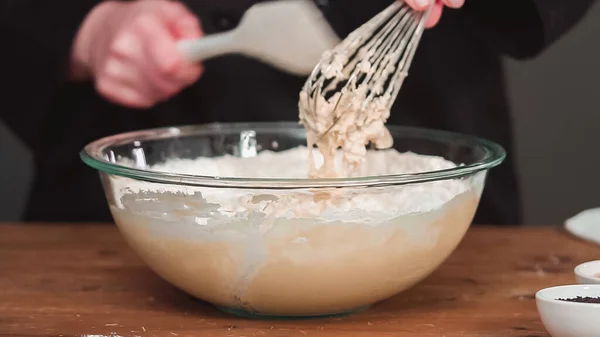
{"x":580,"y":299}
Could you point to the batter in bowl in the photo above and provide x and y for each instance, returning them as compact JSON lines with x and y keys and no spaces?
{"x":348,"y":120}
{"x":286,"y":252}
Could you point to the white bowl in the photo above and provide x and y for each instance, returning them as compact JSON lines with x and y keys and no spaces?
{"x":569,"y":319}
{"x":588,"y":273}
{"x":585,"y":225}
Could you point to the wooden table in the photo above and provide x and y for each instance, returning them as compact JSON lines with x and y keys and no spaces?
{"x":83,"y":280}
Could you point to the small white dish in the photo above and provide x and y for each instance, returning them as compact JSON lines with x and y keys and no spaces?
{"x":588,"y":273}
{"x":569,"y":319}
{"x":585,"y":225}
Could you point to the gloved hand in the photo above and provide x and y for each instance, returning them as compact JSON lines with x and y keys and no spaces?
{"x":436,"y":12}
{"x":128,"y":48}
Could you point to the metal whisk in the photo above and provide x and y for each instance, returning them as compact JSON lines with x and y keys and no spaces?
{"x":366,"y":68}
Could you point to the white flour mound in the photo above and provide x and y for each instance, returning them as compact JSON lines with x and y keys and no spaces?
{"x":292,"y":164}
{"x":349,"y":204}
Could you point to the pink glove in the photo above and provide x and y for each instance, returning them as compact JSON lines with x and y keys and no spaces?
{"x":129,"y":50}
{"x":436,"y":12}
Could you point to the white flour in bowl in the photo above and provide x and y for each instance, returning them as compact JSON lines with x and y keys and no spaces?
{"x":375,"y":204}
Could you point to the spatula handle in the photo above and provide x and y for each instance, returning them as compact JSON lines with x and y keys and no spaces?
{"x":196,"y":50}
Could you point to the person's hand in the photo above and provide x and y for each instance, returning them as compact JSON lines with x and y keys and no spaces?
{"x":130,"y":51}
{"x":438,"y":7}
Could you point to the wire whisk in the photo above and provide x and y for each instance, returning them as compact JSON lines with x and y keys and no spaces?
{"x":356,"y":83}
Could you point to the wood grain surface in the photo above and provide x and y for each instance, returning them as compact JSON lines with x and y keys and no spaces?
{"x":74,"y":280}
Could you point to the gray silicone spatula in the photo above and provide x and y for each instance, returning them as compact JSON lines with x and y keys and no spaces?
{"x":289,"y":34}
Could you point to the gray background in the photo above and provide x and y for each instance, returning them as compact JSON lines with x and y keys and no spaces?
{"x":557,"y":119}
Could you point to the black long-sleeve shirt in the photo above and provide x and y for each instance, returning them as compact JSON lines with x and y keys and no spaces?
{"x":456,"y":83}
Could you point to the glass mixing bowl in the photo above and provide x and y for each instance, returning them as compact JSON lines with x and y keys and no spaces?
{"x":250,"y":260}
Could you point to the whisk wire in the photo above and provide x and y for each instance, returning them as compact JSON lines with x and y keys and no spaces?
{"x":373,"y":60}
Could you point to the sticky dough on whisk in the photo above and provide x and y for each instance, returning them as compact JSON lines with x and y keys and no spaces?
{"x":347,"y":99}
{"x":357,"y":123}
{"x":355,"y":128}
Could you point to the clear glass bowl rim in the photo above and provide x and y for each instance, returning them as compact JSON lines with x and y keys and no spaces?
{"x":92,"y":155}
